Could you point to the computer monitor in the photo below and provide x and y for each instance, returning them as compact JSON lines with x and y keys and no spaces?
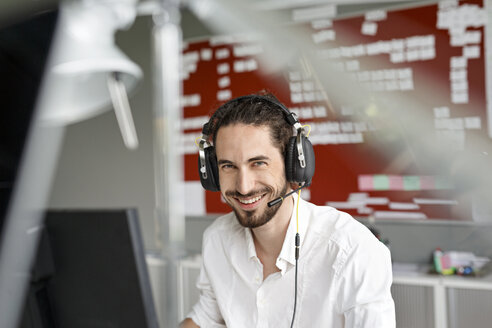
{"x":25,"y":42}
{"x":90,"y":272}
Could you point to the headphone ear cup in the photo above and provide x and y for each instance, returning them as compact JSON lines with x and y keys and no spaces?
{"x":290,"y":160}
{"x":212,"y":181}
{"x":293,"y":170}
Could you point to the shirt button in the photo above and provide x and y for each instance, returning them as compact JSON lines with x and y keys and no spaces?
{"x":257,"y":279}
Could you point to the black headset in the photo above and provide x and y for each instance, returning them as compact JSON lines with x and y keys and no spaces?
{"x":299,"y":153}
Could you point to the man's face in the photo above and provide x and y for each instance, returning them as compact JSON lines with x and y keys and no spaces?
{"x":251,"y":172}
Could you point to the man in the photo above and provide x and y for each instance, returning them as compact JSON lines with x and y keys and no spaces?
{"x":249,"y":276}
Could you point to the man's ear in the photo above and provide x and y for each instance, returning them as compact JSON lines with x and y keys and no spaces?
{"x":294,"y":186}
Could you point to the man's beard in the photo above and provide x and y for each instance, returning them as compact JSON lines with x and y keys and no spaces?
{"x":252,"y":219}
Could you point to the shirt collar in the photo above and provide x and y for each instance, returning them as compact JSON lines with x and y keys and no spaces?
{"x":250,"y":243}
{"x":286,"y":257}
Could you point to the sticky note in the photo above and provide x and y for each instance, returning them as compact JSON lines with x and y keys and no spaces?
{"x":427,"y":182}
{"x":365,"y":182}
{"x":222,"y":53}
{"x":411,"y":182}
{"x":224,"y":82}
{"x":395,"y":182}
{"x":471,"y":52}
{"x":381,"y":182}
{"x":459,"y":97}
{"x":206,"y":54}
{"x":223,"y":95}
{"x":473,"y":122}
{"x":369,"y":28}
{"x":441,"y":112}
{"x":223,"y":68}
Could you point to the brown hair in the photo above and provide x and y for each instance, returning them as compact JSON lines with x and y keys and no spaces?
{"x":257,"y":110}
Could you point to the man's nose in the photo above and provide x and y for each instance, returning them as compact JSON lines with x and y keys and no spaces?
{"x":245,"y":181}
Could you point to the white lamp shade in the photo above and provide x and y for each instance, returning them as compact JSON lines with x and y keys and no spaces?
{"x":83,"y":56}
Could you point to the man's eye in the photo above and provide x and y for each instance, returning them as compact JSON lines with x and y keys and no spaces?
{"x":260,"y":163}
{"x":227,"y":166}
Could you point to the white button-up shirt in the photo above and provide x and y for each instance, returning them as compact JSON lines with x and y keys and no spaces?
{"x":344,"y":276}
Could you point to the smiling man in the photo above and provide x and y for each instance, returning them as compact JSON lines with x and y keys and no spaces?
{"x":336,"y":274}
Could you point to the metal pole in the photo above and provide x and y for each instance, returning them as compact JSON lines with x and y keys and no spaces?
{"x":25,"y":218}
{"x":168,"y":162}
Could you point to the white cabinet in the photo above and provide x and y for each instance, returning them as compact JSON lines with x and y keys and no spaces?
{"x":423,"y":300}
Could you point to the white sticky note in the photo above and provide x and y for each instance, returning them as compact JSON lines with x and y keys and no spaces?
{"x":427,"y":53}
{"x":406,"y":84}
{"x":375,"y":15}
{"x":321,"y":23}
{"x":457,"y":40}
{"x":458,"y":74}
{"x":391,"y":85}
{"x":358,"y":50}
{"x":412,"y":55}
{"x":296,"y":98}
{"x":307,"y":85}
{"x":473,"y":123}
{"x":405,"y":73}
{"x":413,"y":41}
{"x":360,"y":127}
{"x":397,"y":57}
{"x":429,"y":41}
{"x":347,"y":126}
{"x":191,"y":57}
{"x":447,"y":4}
{"x":352,"y":65}
{"x":295,"y":86}
{"x":443,"y":19}
{"x":397,"y":45}
{"x":441,"y":112}
{"x":223,"y":95}
{"x":369,"y":28}
{"x":390,"y":74}
{"x":459,"y":86}
{"x":295,"y":76}
{"x":334,"y":53}
{"x":471,"y":52}
{"x":223,"y":68}
{"x":472,"y":37}
{"x":195,"y":198}
{"x":457,"y":123}
{"x":206,"y":54}
{"x":324,"y":35}
{"x":458,"y":62}
{"x":319,"y":111}
{"x":457,"y":27}
{"x":306,"y":112}
{"x":251,"y":65}
{"x":377,"y":75}
{"x":247,"y":50}
{"x":459,"y":97}
{"x":385,"y":47}
{"x":356,"y":138}
{"x":224,"y":82}
{"x":190,"y":68}
{"x":378,"y":86}
{"x":346,"y":52}
{"x":373,"y":49}
{"x":239,"y":66}
{"x":309,"y":96}
{"x":222,"y":53}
